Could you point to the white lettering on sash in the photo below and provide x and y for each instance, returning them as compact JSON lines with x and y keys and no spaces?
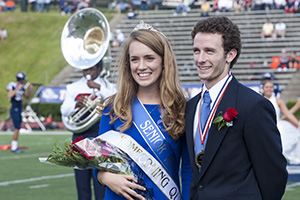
{"x":153,"y":136}
{"x":154,"y":170}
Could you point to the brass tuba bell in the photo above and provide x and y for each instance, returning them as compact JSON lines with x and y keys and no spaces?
{"x":84,"y":42}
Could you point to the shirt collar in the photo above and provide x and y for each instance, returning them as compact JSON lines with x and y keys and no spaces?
{"x":214,"y":91}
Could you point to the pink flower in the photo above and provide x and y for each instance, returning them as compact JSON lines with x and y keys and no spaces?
{"x":89,"y":150}
{"x":106,"y":149}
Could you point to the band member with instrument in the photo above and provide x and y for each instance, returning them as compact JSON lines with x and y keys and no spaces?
{"x":78,"y":95}
{"x":233,"y":141}
{"x":149,"y":110}
{"x":85,"y":40}
{"x":15,"y":93}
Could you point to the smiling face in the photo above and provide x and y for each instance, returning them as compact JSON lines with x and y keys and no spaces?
{"x":268,"y":89}
{"x":145,"y":65}
{"x":209,"y":57}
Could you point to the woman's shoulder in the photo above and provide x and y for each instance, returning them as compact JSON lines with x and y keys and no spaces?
{"x":279,"y":101}
{"x":107,"y":108}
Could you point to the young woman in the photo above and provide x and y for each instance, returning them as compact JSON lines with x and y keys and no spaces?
{"x":148,"y":79}
{"x":289,"y":130}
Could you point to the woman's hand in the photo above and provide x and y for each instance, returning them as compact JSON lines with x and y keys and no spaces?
{"x":122,"y":185}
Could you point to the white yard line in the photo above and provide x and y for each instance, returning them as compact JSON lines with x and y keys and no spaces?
{"x":38,"y":186}
{"x":6,"y":183}
{"x":290,"y":186}
{"x":25,"y":156}
{"x":39,"y":133}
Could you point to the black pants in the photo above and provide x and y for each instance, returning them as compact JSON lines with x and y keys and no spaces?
{"x":83,"y":184}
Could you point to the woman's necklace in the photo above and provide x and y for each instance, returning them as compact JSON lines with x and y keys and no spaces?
{"x":153,"y":109}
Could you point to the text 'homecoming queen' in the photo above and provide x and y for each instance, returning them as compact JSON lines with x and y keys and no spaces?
{"x":145,"y":161}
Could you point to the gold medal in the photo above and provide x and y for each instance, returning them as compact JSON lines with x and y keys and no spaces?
{"x":199,"y":158}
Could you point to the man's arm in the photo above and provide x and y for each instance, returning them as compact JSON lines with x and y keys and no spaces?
{"x":12,"y":92}
{"x":263,"y":142}
{"x":28,"y":91}
{"x":94,"y":85}
{"x":68,"y":106}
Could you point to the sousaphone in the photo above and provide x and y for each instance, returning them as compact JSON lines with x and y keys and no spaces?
{"x":84,"y":42}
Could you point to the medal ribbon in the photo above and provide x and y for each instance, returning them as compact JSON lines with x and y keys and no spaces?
{"x":212,"y":110}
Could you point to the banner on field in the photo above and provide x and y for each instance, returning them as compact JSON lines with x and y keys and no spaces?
{"x":52,"y":94}
{"x":57,"y":94}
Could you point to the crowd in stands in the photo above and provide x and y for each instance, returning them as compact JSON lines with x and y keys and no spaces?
{"x":269,"y":31}
{"x":129,"y":7}
{"x":207,"y":6}
{"x":290,"y":6}
{"x":69,"y":7}
{"x":183,"y":6}
{"x":288,"y":61}
{"x":65,"y":6}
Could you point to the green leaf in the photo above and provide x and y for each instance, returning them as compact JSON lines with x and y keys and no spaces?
{"x":221,"y":124}
{"x":218,"y":119}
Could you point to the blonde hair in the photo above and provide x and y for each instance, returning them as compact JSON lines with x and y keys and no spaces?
{"x":171,"y":95}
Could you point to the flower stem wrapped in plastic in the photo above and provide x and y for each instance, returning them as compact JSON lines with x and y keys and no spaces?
{"x":97,"y":153}
{"x":91,"y":153}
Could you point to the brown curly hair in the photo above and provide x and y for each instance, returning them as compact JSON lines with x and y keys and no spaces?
{"x":225,"y":27}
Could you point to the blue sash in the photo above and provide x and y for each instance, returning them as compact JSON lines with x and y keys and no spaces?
{"x":153,"y":136}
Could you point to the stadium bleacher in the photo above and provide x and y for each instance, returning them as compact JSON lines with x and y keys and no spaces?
{"x":255,"y":59}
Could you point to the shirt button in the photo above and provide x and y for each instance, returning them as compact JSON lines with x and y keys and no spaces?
{"x":200,"y":187}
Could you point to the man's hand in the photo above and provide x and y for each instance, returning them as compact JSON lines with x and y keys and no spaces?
{"x":81,"y":102}
{"x":92,"y":84}
{"x":19,"y":86}
{"x":28,"y":90}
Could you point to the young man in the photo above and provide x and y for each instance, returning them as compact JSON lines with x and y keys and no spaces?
{"x":242,"y":159}
{"x":76,"y":95}
{"x":15,"y":93}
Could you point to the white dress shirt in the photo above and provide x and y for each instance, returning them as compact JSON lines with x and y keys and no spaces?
{"x":213,"y":93}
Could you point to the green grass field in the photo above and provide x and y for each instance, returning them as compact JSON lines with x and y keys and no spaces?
{"x":23,"y":177}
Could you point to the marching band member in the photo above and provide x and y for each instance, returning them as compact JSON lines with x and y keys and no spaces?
{"x":77,"y":92}
{"x":149,"y":109}
{"x":15,"y":93}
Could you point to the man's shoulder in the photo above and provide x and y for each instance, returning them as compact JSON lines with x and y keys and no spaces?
{"x":11,"y":85}
{"x":248,"y":94}
{"x":193,"y":100}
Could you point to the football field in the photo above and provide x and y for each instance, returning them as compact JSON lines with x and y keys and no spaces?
{"x":23,"y":177}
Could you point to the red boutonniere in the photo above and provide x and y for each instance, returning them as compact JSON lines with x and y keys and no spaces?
{"x":226,"y":119}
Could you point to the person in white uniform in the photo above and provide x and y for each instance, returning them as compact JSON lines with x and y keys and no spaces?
{"x":289,"y":130}
{"x":77,"y":92}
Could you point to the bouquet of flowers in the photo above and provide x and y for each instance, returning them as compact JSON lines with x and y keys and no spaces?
{"x":89,"y":154}
{"x":85,"y":153}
